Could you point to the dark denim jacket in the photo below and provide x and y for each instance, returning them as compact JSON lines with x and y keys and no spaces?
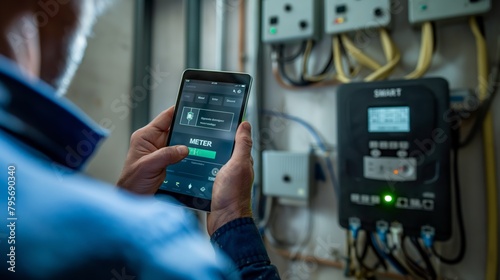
{"x":64,"y":225}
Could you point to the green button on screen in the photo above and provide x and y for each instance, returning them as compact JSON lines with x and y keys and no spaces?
{"x":202,"y":153}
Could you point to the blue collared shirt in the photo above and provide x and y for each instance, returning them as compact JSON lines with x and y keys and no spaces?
{"x":57,"y":223}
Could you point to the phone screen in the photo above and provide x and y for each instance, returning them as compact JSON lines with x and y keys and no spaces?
{"x":206,"y":118}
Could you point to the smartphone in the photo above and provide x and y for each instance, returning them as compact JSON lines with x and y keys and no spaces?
{"x":210,"y":106}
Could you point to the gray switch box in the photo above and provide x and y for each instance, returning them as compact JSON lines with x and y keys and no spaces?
{"x":432,"y":10}
{"x":343,"y":16}
{"x":287,"y":174}
{"x":291,"y":20}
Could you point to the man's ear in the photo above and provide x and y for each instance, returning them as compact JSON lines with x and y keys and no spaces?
{"x":63,"y":39}
{"x":19,"y":36}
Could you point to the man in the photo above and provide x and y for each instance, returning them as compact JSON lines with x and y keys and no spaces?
{"x":60,"y":224}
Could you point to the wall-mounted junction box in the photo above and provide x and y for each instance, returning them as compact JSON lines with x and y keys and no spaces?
{"x":290,"y":20}
{"x":432,"y":10}
{"x":344,"y":16}
{"x":287,"y":175}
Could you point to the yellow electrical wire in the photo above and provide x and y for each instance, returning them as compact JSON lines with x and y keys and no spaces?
{"x":388,"y":45}
{"x":279,"y":79}
{"x":426,"y":52}
{"x":337,"y":58}
{"x":305,"y":63}
{"x":489,"y":155}
{"x":359,"y":55}
{"x":392,"y":54}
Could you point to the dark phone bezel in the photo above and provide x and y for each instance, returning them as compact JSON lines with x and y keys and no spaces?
{"x":212,"y":76}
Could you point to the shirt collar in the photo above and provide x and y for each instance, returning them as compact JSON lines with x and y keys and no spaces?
{"x":31,"y":111}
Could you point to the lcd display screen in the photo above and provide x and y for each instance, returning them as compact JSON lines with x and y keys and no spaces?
{"x":389,"y":119}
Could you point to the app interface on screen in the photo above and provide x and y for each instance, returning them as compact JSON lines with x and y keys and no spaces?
{"x":206,"y":122}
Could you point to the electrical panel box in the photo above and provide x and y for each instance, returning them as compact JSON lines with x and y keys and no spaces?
{"x":291,"y":20}
{"x":344,"y":16}
{"x":432,"y":10}
{"x":287,"y":175}
{"x":394,"y":146}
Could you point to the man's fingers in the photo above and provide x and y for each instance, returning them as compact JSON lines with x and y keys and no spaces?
{"x":163,"y":120}
{"x":164,"y":157}
{"x":243,"y":145}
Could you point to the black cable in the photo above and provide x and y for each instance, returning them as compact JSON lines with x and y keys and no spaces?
{"x":458,"y":205}
{"x":281,"y":60}
{"x":425,"y":257}
{"x":292,"y":58}
{"x":344,"y":54}
{"x":481,"y":25}
{"x":377,"y":254}
{"x":328,"y":65}
{"x":390,"y":257}
{"x":412,"y":264}
{"x":366,"y":271}
{"x":493,"y":87}
{"x":397,"y":264}
{"x":365,"y":250}
{"x":434,"y":34}
{"x":480,"y":116}
{"x":361,"y":258}
{"x":476,"y":126}
{"x":284,"y":73}
{"x":286,"y":77}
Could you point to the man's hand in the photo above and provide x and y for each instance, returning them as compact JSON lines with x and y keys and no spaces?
{"x":231,"y":194}
{"x":148,"y":157}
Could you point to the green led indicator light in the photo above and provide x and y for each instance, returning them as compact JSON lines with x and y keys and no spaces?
{"x":273,"y":30}
{"x":423,"y":7}
{"x":388,"y":198}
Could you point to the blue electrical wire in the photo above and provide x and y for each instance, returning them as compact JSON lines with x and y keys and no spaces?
{"x":309,"y":127}
{"x":314,"y":133}
{"x":388,"y":256}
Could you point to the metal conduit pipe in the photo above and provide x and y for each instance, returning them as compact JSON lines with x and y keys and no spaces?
{"x":193,"y":33}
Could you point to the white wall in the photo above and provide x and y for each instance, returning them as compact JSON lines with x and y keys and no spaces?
{"x":104,"y":77}
{"x":455,"y":60}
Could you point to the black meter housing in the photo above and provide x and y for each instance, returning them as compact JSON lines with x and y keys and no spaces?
{"x":394,"y":146}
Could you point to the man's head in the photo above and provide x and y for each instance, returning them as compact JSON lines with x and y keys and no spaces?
{"x":47,"y":38}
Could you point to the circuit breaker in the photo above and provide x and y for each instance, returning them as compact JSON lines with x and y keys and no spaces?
{"x":432,"y":10}
{"x":394,"y":155}
{"x":291,"y":20}
{"x":344,"y":16}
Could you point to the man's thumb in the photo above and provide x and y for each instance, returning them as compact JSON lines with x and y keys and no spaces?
{"x":243,"y":145}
